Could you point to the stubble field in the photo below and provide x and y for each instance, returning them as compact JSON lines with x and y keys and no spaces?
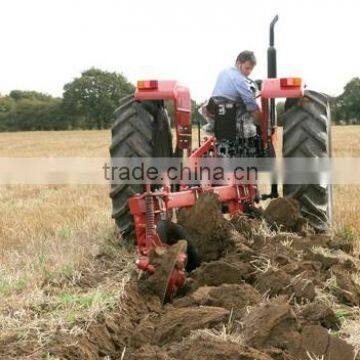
{"x":52,"y":237}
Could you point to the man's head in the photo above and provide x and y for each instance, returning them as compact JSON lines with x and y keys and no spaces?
{"x":246,"y":62}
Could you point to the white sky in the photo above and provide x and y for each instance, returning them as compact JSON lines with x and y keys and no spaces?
{"x":46,"y":43}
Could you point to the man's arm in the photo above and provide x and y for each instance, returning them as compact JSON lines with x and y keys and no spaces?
{"x":242,"y":87}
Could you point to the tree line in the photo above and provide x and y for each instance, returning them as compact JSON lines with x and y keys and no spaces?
{"x":89,"y":101}
{"x":346,"y":107}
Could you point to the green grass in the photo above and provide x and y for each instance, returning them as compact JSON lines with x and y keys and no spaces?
{"x":9,"y":287}
{"x":74,"y":306}
{"x":97,"y":298}
{"x":347,"y":233}
{"x":343,"y":313}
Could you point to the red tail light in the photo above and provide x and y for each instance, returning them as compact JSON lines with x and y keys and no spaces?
{"x":290,"y":82}
{"x":147,"y":85}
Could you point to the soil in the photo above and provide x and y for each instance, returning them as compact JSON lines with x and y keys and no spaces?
{"x":345,"y":289}
{"x":256,"y":295}
{"x":285,"y":213}
{"x":219,"y":272}
{"x":272,"y":325}
{"x":319,"y":313}
{"x":209,"y":231}
{"x":234,"y":297}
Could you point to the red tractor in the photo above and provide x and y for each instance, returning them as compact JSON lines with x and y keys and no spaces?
{"x":142,"y":129}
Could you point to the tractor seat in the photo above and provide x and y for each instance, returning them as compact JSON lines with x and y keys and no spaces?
{"x":225,"y":113}
{"x":216,"y":102}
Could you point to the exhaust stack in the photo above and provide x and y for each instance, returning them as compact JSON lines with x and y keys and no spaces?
{"x":272,"y":69}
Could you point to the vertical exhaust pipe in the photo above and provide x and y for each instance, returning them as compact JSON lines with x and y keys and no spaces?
{"x":272,"y":68}
{"x":272,"y":73}
{"x":271,"y":52}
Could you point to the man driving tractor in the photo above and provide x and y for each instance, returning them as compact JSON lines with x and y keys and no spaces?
{"x":233,"y":84}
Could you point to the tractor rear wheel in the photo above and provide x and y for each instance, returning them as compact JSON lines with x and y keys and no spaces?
{"x":141,"y":129}
{"x":307,"y":133}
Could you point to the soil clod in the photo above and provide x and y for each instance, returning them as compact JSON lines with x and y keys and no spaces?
{"x":285,"y":213}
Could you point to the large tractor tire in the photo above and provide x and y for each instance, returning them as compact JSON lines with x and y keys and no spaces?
{"x":307,"y":133}
{"x":141,"y":129}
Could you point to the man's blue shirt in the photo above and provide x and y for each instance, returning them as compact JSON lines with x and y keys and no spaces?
{"x":232,"y":84}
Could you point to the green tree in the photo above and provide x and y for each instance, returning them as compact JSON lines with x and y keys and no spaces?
{"x":30,"y":95}
{"x":348,"y":103}
{"x":35,"y":115}
{"x":31,"y":114}
{"x":6,"y":104}
{"x":94,"y":96}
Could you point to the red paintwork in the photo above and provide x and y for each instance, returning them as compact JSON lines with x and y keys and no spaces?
{"x":207,"y":145}
{"x":171,"y":90}
{"x":185,"y":198}
{"x":147,"y":207}
{"x":146,"y":210}
{"x":236,"y":196}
